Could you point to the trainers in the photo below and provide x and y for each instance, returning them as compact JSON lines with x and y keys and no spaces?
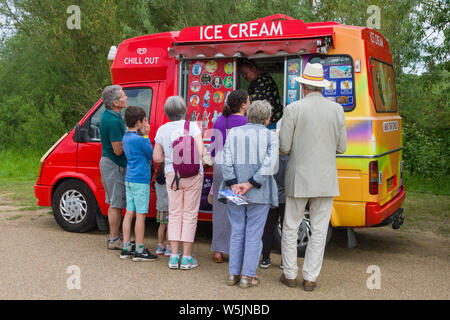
{"x":114,"y":245}
{"x":160,"y":250}
{"x":168,"y":252}
{"x":174,"y":262}
{"x":265,"y":263}
{"x":125,"y":254}
{"x":144,"y":256}
{"x":187,"y":264}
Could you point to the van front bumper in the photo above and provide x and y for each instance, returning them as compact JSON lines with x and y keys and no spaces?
{"x":43,"y":194}
{"x":376,"y":214}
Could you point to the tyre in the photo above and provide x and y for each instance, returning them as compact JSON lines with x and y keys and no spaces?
{"x":102,"y":221}
{"x":304,"y":232}
{"x":74,"y":206}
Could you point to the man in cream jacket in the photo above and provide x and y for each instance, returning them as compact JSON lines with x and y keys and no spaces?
{"x":312,"y":132}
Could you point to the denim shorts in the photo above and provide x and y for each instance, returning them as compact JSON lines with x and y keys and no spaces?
{"x":138,"y":197}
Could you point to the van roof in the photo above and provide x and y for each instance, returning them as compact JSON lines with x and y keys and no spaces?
{"x":285,"y":33}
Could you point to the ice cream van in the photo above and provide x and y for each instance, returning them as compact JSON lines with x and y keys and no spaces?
{"x":200,"y":64}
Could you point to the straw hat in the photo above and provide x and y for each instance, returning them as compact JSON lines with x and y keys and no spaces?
{"x":313,"y":76}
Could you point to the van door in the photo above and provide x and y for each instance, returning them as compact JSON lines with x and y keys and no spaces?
{"x":90,"y":150}
{"x":387,"y":129}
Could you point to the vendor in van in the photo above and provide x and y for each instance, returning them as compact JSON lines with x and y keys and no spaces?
{"x":262,"y":87}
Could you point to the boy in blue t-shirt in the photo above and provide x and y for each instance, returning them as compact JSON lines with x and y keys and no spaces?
{"x":139,"y":153}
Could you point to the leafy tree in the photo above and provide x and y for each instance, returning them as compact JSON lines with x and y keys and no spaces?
{"x":53,"y":67}
{"x":51,"y":75}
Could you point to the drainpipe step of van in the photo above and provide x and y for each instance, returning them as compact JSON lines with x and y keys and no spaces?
{"x":351,"y":238}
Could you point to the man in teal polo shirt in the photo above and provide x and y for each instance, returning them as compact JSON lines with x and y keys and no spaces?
{"x":113,"y":162}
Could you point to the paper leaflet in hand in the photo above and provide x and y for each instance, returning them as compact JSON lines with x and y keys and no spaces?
{"x":233,"y":197}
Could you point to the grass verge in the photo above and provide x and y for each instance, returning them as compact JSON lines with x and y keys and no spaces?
{"x":18,"y":173}
{"x":19,"y":165}
{"x":427,"y":212}
{"x":436,"y":185}
{"x":20,"y":193}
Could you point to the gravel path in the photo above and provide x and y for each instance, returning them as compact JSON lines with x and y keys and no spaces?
{"x":36,"y":255}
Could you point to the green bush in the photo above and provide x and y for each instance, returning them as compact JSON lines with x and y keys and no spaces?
{"x":24,"y":124}
{"x":426,"y":151}
{"x":425,"y":108}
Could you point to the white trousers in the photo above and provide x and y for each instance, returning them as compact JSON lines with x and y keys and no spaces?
{"x":319,"y":213}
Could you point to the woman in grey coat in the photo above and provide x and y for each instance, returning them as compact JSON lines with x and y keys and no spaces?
{"x":250,"y":159}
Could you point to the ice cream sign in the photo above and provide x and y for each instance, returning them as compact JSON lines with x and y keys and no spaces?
{"x":241,"y":30}
{"x":274,"y":27}
{"x":141,"y":58}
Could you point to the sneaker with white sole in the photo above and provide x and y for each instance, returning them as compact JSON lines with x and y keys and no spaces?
{"x":265,"y":263}
{"x":118,"y":244}
{"x":144,"y":256}
{"x":125,"y":254}
{"x":114,"y":245}
{"x":160,"y":250}
{"x":174,"y":262}
{"x":188,"y":263}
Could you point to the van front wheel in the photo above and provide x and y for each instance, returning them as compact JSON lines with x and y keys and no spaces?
{"x":74,"y":206}
{"x":304,"y":232}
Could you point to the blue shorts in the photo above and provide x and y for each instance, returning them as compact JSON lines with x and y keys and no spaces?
{"x":138,"y":197}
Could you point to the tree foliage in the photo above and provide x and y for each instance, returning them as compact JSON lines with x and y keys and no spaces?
{"x":51,"y":75}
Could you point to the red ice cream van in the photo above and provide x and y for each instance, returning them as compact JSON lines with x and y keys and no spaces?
{"x":200,"y":64}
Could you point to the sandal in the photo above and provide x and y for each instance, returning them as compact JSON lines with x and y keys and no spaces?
{"x":218,"y":257}
{"x":232,"y":279}
{"x":247,"y":282}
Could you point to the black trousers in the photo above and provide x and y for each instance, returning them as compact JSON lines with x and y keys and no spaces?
{"x":271,"y":224}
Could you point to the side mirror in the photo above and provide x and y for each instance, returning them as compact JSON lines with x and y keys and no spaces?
{"x":81,"y":133}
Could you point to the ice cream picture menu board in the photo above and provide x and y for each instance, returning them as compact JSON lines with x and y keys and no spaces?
{"x":293,"y":71}
{"x":341,"y":84}
{"x":209,"y":83}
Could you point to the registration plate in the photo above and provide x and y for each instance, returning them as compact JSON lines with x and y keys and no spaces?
{"x":391,"y":182}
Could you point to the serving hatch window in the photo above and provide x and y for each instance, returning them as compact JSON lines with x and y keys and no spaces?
{"x":338,"y":69}
{"x":384,"y":93}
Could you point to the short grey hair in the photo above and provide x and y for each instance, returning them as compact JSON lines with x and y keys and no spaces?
{"x":111,"y":94}
{"x":175,"y":108}
{"x":259,"y":111}
{"x":312,"y":88}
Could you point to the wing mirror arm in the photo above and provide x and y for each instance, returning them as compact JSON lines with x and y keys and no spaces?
{"x":81,"y":134}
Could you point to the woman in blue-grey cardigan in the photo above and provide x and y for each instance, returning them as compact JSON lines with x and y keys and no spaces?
{"x":250,"y":159}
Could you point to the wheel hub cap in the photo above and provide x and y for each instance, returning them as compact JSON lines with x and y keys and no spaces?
{"x":73,"y":206}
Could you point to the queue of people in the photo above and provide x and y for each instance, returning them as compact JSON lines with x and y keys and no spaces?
{"x":276,"y":174}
